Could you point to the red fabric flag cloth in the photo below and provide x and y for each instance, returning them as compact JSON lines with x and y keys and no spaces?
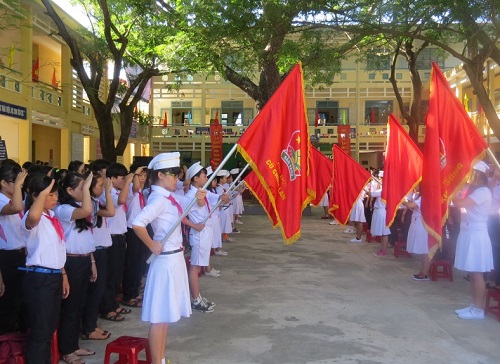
{"x":35,"y":70}
{"x":349,"y":178}
{"x":372,"y":116}
{"x":316,"y":121}
{"x":452,"y":145}
{"x":165,"y":120}
{"x":276,"y":145}
{"x":54,"y":79}
{"x":254,"y":185}
{"x":320,"y":175}
{"x":402,"y":168}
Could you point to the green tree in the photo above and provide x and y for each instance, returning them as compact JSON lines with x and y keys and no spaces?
{"x":123,"y":33}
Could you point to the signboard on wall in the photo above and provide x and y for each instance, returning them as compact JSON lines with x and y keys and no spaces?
{"x":3,"y":150}
{"x":216,"y":139}
{"x":13,"y":111}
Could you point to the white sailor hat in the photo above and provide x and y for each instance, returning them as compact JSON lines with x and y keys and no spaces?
{"x":165,"y":160}
{"x":223,"y":173}
{"x":193,"y":170}
{"x":481,"y":167}
{"x":234,"y":171}
{"x":209,"y":170}
{"x":381,"y":173}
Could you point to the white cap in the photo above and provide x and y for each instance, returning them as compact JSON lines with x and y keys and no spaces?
{"x":193,"y":170}
{"x":481,"y":167}
{"x":223,"y":173}
{"x":234,"y":171}
{"x":209,"y":170}
{"x":381,"y":173}
{"x":165,"y":160}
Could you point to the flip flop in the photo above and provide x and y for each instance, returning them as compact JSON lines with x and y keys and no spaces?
{"x":116,"y":317}
{"x":84,"y":352}
{"x":72,"y":359}
{"x":95,"y":335}
{"x":123,"y":311}
{"x":132,"y":303}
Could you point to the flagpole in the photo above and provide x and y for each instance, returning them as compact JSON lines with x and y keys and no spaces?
{"x":191,"y":204}
{"x":493,"y":158}
{"x":231,"y":188}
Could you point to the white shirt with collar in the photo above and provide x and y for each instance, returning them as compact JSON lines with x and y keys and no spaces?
{"x":118,"y":223}
{"x":133,"y":205}
{"x":10,"y":228}
{"x":76,"y":242}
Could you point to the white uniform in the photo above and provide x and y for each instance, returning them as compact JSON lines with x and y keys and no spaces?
{"x":417,"y":241}
{"x":118,"y":223}
{"x":378,"y":227}
{"x":76,"y":242}
{"x":216,"y":227}
{"x":135,"y":203}
{"x":474,"y":253}
{"x":325,"y":201}
{"x":102,"y":237}
{"x":166,"y":295}
{"x":10,"y":228}
{"x":226,"y":213}
{"x":358,"y":210}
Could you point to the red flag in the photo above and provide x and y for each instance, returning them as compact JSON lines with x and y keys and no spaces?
{"x":320,"y":176}
{"x":402,"y":168}
{"x":276,"y":145}
{"x":165,"y":120}
{"x":316,"y":121}
{"x":54,"y":79}
{"x":35,"y":70}
{"x":349,"y":178}
{"x":452,"y":145}
{"x":217,"y":116}
{"x":372,"y":116}
{"x":254,"y":185}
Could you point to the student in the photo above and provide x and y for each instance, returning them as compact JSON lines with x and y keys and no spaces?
{"x":117,"y":225}
{"x":12,"y":246}
{"x":474,"y":253}
{"x":134,"y":257}
{"x":216,"y":228}
{"x":46,"y":281}
{"x":358,"y":218}
{"x":378,"y":227}
{"x":166,"y":295}
{"x":102,"y":241}
{"x":200,"y":236}
{"x":74,"y":207}
{"x":238,"y":200}
{"x":226,"y":213}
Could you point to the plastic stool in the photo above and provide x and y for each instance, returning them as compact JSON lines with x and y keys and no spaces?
{"x":128,"y":348}
{"x":488,"y":307}
{"x":400,"y":250}
{"x":54,"y":348}
{"x":445,"y":272}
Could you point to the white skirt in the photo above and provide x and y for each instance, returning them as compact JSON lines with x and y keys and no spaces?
{"x":239,"y":208}
{"x":226,"y":216}
{"x":358,"y":212}
{"x":378,"y":227}
{"x":201,"y":243}
{"x":474,"y":253}
{"x":217,"y":240}
{"x":324,"y":201}
{"x":417,"y":241}
{"x":166,"y":295}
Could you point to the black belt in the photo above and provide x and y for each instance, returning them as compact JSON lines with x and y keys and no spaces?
{"x":101,"y":247}
{"x":172,"y":251}
{"x":40,"y":270}
{"x":18,"y":250}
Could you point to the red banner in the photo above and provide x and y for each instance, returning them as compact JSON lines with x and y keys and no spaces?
{"x":216,"y":148}
{"x":254,"y":185}
{"x":320,"y":176}
{"x":344,"y":138}
{"x":276,"y":145}
{"x":452,"y":145}
{"x":349,"y":178}
{"x":402,"y":168}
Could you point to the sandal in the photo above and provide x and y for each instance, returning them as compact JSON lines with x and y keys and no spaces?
{"x":132,"y":303}
{"x":123,"y":311}
{"x":72,"y":359}
{"x":84,"y":352}
{"x":95,"y":335}
{"x":139,"y":297}
{"x":113,"y":316}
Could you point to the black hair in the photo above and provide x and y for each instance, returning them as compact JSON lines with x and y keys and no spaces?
{"x":9,"y":171}
{"x":59,"y":174}
{"x":74,"y":165}
{"x":37,"y":184}
{"x":72,"y":180}
{"x":218,"y":178}
{"x":8,"y":161}
{"x":116,"y":170}
{"x":96,"y":219}
{"x":98,"y":165}
{"x":134,"y":166}
{"x":154,"y":173}
{"x":27,"y":164}
{"x":203,"y":170}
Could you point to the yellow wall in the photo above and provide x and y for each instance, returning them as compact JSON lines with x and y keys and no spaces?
{"x":47,"y":139}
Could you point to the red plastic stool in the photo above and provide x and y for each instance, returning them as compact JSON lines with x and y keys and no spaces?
{"x":128,"y":348}
{"x":441,"y":269}
{"x":400,"y":250}
{"x":488,"y":307}
{"x":54,"y":348}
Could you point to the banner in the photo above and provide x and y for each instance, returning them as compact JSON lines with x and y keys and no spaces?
{"x":320,"y":176}
{"x":344,"y":138}
{"x":216,"y":140}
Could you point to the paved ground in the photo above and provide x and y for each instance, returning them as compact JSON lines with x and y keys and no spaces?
{"x":320,"y":300}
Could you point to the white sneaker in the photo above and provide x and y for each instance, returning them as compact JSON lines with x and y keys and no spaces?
{"x":463,"y":310}
{"x":355,"y":240}
{"x":333,"y":222}
{"x":349,"y":231}
{"x":238,"y":222}
{"x":212,"y":273}
{"x":473,"y":314}
{"x":229,"y":239}
{"x":221,"y":253}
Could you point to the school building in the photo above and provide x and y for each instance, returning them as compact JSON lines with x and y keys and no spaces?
{"x":45,"y":115}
